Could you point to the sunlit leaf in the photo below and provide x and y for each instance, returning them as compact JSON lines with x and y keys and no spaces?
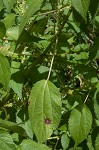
{"x":9,"y":20}
{"x":9,"y":4}
{"x":81,"y":7}
{"x":6,"y":142}
{"x":44,"y":109}
{"x":31,"y":145}
{"x":80,"y":123}
{"x":65,"y":141}
{"x":13,"y":33}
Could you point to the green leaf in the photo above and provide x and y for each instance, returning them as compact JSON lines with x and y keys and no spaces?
{"x":16,"y":82}
{"x":89,"y":143}
{"x":4,"y":71}
{"x":65,"y":141}
{"x":40,"y":26}
{"x":1,"y":5}
{"x":12,"y":127}
{"x":97,"y":19}
{"x":81,"y":6}
{"x":96,"y":103}
{"x":28,"y":128}
{"x":97,"y":143}
{"x":97,"y":22}
{"x":31,"y":145}
{"x":26,"y":37}
{"x":13,"y":33}
{"x":2,"y":30}
{"x":9,"y":20}
{"x":94,"y":50}
{"x":9,"y":4}
{"x":77,"y":148}
{"x":44,"y":109}
{"x":93,"y":7}
{"x":39,"y":73}
{"x":80,"y":123}
{"x":33,"y":7}
{"x":6,"y":142}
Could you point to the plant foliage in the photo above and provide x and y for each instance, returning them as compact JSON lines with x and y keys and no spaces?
{"x":49,"y":74}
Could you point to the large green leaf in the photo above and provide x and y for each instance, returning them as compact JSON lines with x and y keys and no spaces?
{"x":33,"y":7}
{"x":97,"y":143}
{"x":81,"y":6}
{"x":44,"y":109}
{"x":31,"y":145}
{"x":80,"y":122}
{"x":4,"y":71}
{"x":6,"y":142}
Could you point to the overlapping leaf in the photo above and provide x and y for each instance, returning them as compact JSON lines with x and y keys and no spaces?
{"x":6,"y":142}
{"x":80,"y":122}
{"x":16,"y":82}
{"x":8,"y":4}
{"x":31,"y":145}
{"x":65,"y":141}
{"x":81,"y":6}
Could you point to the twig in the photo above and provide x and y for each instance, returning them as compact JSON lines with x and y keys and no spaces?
{"x":50,"y":67}
{"x":87,"y":97}
{"x":53,"y":11}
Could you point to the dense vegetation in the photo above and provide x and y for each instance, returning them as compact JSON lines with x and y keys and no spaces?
{"x":49,"y":74}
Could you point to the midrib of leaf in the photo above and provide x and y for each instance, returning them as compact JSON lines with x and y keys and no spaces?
{"x":46,"y":86}
{"x":80,"y":123}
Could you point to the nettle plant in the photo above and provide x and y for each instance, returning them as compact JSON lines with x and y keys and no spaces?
{"x":49,"y":74}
